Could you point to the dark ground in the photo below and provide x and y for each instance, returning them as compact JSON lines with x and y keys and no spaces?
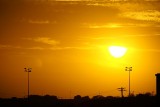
{"x":78,"y":101}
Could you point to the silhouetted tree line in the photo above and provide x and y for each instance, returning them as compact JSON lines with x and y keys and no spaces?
{"x":139,"y":100}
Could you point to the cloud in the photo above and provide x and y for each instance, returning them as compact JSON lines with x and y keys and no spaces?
{"x":9,"y":46}
{"x":39,"y":21}
{"x":44,"y":40}
{"x":109,"y":25}
{"x":54,"y":45}
{"x":18,"y":47}
{"x":62,"y":48}
{"x":149,"y":15}
{"x":36,"y":48}
{"x":4,"y":46}
{"x":73,"y":48}
{"x":118,"y":25}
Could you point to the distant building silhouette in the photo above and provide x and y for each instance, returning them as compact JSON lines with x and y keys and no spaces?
{"x":158,"y":89}
{"x":158,"y":84}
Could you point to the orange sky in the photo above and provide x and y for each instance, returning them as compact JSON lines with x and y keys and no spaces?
{"x":66,"y":45}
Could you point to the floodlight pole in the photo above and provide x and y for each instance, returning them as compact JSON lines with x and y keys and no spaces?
{"x":28,"y":70}
{"x":129,"y":69}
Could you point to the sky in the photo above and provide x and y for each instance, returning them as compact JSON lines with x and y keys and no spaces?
{"x":66,"y":45}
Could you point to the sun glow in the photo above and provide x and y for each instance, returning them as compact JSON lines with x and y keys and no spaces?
{"x":117,"y":51}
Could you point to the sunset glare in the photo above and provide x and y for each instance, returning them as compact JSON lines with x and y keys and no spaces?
{"x":117,"y":51}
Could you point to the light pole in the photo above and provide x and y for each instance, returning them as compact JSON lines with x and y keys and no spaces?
{"x":28,"y":70}
{"x":121,"y":90}
{"x":129,"y":69}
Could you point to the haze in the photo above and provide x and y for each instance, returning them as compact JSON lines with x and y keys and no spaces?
{"x":66,"y":45}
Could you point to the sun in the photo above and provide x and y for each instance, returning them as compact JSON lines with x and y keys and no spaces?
{"x":117,"y":51}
